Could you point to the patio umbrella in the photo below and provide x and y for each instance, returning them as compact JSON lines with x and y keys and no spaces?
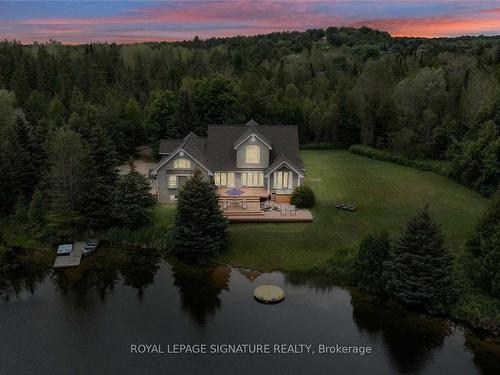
{"x":234,"y":192}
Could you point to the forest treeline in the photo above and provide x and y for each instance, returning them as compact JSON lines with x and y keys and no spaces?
{"x":433,"y":99}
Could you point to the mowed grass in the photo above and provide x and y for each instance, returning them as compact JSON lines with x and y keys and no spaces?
{"x":386,"y":195}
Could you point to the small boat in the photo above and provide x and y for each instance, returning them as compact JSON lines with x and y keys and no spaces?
{"x":65,"y":249}
{"x":89,"y":246}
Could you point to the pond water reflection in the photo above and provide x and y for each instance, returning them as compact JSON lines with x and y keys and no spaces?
{"x":84,"y":321}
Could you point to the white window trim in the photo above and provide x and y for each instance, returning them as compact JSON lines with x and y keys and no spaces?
{"x":177,"y":162}
{"x":169,"y":180}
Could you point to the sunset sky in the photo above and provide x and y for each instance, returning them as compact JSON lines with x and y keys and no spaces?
{"x":136,"y":21}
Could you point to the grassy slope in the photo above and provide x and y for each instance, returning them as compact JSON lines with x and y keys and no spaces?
{"x":386,"y":194}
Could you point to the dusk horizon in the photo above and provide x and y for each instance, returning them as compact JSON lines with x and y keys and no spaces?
{"x":123,"y":22}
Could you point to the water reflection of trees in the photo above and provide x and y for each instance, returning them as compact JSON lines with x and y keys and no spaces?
{"x":410,"y":339}
{"x":486,"y":351}
{"x":100,"y":272}
{"x":315,"y":281}
{"x":18,"y":273}
{"x":200,"y":288}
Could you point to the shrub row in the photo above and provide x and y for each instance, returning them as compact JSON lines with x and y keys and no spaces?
{"x":436,"y":166}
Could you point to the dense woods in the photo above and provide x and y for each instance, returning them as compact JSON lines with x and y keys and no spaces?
{"x":80,"y":110}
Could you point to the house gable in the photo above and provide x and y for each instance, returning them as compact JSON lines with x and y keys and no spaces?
{"x":250,"y":147}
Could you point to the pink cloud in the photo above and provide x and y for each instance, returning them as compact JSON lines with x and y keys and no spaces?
{"x":183,"y":20}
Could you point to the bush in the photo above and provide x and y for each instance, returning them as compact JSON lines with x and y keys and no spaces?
{"x":436,"y":166}
{"x":156,"y":237}
{"x":303,"y":197}
{"x":341,"y":267}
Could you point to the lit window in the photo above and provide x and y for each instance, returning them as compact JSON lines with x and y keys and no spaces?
{"x":172,"y":181}
{"x":283,"y":180}
{"x":252,"y":179}
{"x":230,"y":179}
{"x":182,"y":163}
{"x":252,"y":155}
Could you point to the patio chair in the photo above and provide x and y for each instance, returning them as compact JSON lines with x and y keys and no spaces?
{"x":293,"y":209}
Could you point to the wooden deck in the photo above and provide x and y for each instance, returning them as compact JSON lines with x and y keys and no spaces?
{"x":71,"y":260}
{"x":273,"y":216}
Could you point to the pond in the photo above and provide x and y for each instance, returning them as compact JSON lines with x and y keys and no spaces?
{"x":85,"y":321}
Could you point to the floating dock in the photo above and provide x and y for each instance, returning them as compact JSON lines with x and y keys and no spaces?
{"x":269,"y":294}
{"x":71,"y":260}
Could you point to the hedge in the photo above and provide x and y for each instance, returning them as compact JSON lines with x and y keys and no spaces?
{"x":436,"y":166}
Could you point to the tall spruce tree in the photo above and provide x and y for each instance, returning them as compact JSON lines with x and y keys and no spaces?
{"x":482,"y":257}
{"x":419,"y":271}
{"x":200,"y":228}
{"x":132,"y":200}
{"x":101,"y":175}
{"x":374,"y":251}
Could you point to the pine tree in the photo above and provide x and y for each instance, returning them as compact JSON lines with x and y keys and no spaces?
{"x":200,"y":228}
{"x":374,"y":251}
{"x":482,"y":257}
{"x":132,"y":199}
{"x":419,"y":271}
{"x":100,"y":178}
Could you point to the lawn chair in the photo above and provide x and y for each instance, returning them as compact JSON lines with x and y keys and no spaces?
{"x":339,"y":205}
{"x":352,"y":207}
{"x":293,"y":209}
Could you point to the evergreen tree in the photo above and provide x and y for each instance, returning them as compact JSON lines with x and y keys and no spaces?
{"x":37,"y":212}
{"x":374,"y":251}
{"x":200,"y":228}
{"x":419,"y":271}
{"x":184,"y":117}
{"x":100,"y":179}
{"x":482,"y":256}
{"x":132,"y":200}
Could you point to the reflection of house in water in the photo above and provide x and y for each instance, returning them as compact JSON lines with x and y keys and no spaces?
{"x":249,"y":274}
{"x":410,"y":339}
{"x":199,"y":288}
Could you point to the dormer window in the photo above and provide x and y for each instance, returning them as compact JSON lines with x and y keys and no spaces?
{"x":252,"y":154}
{"x":182,"y":163}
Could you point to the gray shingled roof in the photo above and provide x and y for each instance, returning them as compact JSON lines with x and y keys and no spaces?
{"x":195,"y":146}
{"x":220,"y":144}
{"x":168,"y":145}
{"x":216,"y":151}
{"x":280,"y":159}
{"x":248,"y":132}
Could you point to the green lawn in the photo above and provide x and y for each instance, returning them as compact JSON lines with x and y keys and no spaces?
{"x":386,"y":195}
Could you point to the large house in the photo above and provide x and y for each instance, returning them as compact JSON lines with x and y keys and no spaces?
{"x":254,"y":160}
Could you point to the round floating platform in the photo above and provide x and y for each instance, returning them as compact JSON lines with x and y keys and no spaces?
{"x":269,"y":294}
